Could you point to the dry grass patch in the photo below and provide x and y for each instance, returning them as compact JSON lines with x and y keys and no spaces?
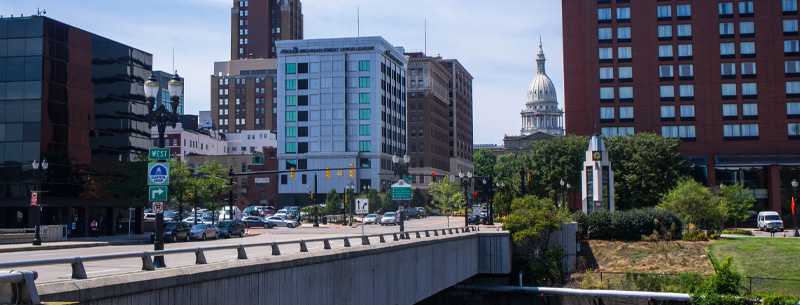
{"x":651,"y":257}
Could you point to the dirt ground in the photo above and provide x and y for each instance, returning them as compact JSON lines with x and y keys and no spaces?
{"x":649,"y":257}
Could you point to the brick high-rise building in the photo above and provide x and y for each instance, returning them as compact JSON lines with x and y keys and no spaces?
{"x":722,"y":76}
{"x":257,"y":24}
{"x":243,"y":95}
{"x":460,"y":95}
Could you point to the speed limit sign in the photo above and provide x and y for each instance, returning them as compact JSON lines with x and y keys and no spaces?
{"x":158,"y":207}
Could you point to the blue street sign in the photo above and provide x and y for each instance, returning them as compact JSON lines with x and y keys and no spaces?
{"x":158,"y":174}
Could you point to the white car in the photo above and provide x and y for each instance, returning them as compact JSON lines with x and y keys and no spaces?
{"x":389,"y":218}
{"x":203,"y":230}
{"x":371,"y":219}
{"x":283,"y":222}
{"x":282,"y":213}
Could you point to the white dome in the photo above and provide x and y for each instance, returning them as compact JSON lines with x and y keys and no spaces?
{"x":541,"y":90}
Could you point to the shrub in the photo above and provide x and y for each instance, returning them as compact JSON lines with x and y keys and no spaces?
{"x":777,"y":299}
{"x":689,"y":281}
{"x":695,"y":235}
{"x":724,"y":281}
{"x":737,"y":232}
{"x":628,"y":225}
{"x":716,"y":299}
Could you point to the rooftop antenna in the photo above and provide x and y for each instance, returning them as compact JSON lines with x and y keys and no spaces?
{"x":358,"y":21}
{"x":42,"y":12}
{"x":173,"y":59}
{"x":425,"y":51}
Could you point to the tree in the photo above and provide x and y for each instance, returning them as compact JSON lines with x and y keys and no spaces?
{"x":182,"y":181}
{"x":551,"y":161}
{"x":484,"y":162}
{"x":507,"y":174}
{"x":332,"y":202}
{"x":213,"y":185}
{"x":695,"y":204}
{"x":375,"y":202}
{"x":737,"y":201}
{"x":446,"y":196}
{"x":532,"y":221}
{"x":417,"y":199}
{"x":645,"y":166}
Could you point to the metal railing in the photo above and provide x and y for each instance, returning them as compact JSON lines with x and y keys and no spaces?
{"x":79,"y":272}
{"x":19,"y":287}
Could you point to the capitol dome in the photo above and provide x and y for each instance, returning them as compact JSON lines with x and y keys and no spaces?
{"x":541,"y":88}
{"x":541,"y":113}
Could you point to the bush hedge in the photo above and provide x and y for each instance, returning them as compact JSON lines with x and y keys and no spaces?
{"x":628,"y":225}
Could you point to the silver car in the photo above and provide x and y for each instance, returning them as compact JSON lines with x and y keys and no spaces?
{"x":283,"y":222}
{"x":204,"y":230}
{"x":371,"y":219}
{"x":389,"y":218}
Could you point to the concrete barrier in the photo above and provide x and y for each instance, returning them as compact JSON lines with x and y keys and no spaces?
{"x":403,"y":272}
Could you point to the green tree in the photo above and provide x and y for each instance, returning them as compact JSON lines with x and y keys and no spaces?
{"x":737,"y":201}
{"x":484,"y":161}
{"x":387,"y":204}
{"x":417,"y":199}
{"x":507,"y":172}
{"x":332,"y":202}
{"x":213,"y":185}
{"x":375,"y":200}
{"x":695,"y":204}
{"x":182,"y":181}
{"x":645,"y":166}
{"x":447,"y":196}
{"x":533,"y":220}
{"x":550,"y":161}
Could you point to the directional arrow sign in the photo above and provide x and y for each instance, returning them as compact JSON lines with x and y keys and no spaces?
{"x":158,"y":174}
{"x":157,"y":193}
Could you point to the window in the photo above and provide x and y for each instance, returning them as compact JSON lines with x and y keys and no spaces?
{"x":684,"y":31}
{"x":665,"y":71}
{"x":291,"y":84}
{"x":302,"y":131}
{"x":726,"y":9}
{"x":667,"y":112}
{"x":302,"y":116}
{"x":664,"y":12}
{"x":791,"y":46}
{"x":726,"y":29}
{"x":291,"y":68}
{"x":604,"y":14}
{"x":291,"y":148}
{"x":749,"y":110}
{"x":364,"y":114}
{"x":687,"y":111}
{"x":363,"y":82}
{"x":604,"y":34}
{"x":625,"y":73}
{"x":746,"y":29}
{"x":789,"y":5}
{"x":748,"y":69}
{"x":626,"y":113}
{"x":606,"y":93}
{"x":606,"y":73}
{"x":792,"y":87}
{"x":667,"y":92}
{"x":623,"y":33}
{"x":686,"y":91}
{"x":607,"y":113}
{"x":685,"y":71}
{"x":737,"y":130}
{"x":624,"y":53}
{"x":302,"y":84}
{"x":727,"y":49}
{"x":729,"y":110}
{"x":291,"y":131}
{"x":364,"y":130}
{"x":728,"y":90}
{"x":794,"y":129}
{"x":747,"y":48}
{"x":623,"y":14}
{"x":363,"y":98}
{"x":665,"y":51}
{"x":291,"y":116}
{"x":790,"y":26}
{"x":684,"y":51}
{"x":302,"y":100}
{"x":364,"y":146}
{"x":665,"y":31}
{"x":625,"y":93}
{"x":678,"y":131}
{"x":363,"y":65}
{"x":614,"y":131}
{"x":745,"y":8}
{"x":291,"y":100}
{"x":793,"y":108}
{"x":792,"y":66}
{"x":683,"y":10}
{"x":606,"y":54}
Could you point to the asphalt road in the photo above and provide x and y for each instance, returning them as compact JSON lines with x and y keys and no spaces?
{"x":306,"y":231}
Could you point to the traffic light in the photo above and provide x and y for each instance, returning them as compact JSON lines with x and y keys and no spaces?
{"x":327,"y":172}
{"x":529,"y":177}
{"x":476,"y":194}
{"x":433,"y":177}
{"x":352,"y":171}
{"x":292,"y":174}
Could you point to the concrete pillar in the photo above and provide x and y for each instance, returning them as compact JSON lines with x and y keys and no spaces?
{"x":774,"y":188}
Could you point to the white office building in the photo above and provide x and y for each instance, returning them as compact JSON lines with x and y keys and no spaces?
{"x":341,"y":101}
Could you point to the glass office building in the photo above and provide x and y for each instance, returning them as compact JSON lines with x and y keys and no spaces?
{"x":75,"y":99}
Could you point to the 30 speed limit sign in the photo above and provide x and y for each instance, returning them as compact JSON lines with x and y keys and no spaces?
{"x":158,"y":207}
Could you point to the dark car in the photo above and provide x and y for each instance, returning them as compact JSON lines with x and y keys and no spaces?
{"x":421,"y":212}
{"x":173,"y":232}
{"x":229,"y":228}
{"x":257,"y":222}
{"x":474,"y":219}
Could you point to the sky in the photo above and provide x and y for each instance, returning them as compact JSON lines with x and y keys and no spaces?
{"x":496,"y":41}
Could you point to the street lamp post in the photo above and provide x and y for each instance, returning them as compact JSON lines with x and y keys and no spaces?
{"x":39,"y":174}
{"x":499,"y":185}
{"x":348,"y":188}
{"x":794,"y":201}
{"x":465,"y":184}
{"x":401,"y":169}
{"x":161,"y":117}
{"x":569,"y":196}
{"x":561,"y":202}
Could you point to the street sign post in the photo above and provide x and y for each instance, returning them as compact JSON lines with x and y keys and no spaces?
{"x":362,"y":206}
{"x":157,"y":193}
{"x":158,"y":207}
{"x":158,"y":174}
{"x":158,"y":154}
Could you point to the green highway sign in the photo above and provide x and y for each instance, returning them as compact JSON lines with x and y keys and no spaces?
{"x":407,"y":179}
{"x":401,"y":191}
{"x":158,"y":154}
{"x":157,"y":193}
{"x":158,"y":173}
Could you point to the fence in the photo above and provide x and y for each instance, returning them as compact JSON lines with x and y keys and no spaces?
{"x":21,"y":236}
{"x":79,"y":272}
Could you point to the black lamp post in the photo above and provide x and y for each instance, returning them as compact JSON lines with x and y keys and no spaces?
{"x":161,"y":118}
{"x":465,"y":184}
{"x":401,"y":169}
{"x":39,"y":174}
{"x":348,"y":189}
{"x":794,"y":201}
{"x":569,"y":196}
{"x":561,"y":202}
{"x":499,"y":185}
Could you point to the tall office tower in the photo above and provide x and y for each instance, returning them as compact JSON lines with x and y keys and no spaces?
{"x":243,"y":95}
{"x":722,"y":76}
{"x":257,"y":24}
{"x":460,"y":95}
{"x":428,"y":118}
{"x":342,"y":103}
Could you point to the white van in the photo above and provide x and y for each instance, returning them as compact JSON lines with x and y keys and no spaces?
{"x":770,"y":221}
{"x":226,"y":212}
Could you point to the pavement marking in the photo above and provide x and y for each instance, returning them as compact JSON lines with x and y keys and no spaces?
{"x":435,"y":223}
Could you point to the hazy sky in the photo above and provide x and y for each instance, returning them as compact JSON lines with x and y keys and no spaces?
{"x":496,"y":41}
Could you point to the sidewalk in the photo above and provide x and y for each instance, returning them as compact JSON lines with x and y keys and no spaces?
{"x":79,"y":242}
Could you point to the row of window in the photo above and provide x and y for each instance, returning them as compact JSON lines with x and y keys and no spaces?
{"x":729,"y":131}
{"x":302,"y":147}
{"x":664,"y":12}
{"x":745,"y":9}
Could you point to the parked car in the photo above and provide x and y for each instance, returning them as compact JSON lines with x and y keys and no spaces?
{"x":281,"y":221}
{"x":411,"y":213}
{"x":282,"y":213}
{"x":389,"y":218}
{"x":229,"y":228}
{"x":421,"y":212}
{"x":371,"y":219}
{"x":149,"y":217}
{"x":769,"y":221}
{"x":190,"y":220}
{"x":474,"y":219}
{"x":203,"y":231}
{"x":257,"y":222}
{"x":173,"y":232}
{"x":266,"y":212}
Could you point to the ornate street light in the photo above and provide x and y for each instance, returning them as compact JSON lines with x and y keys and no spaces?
{"x":401,"y":169}
{"x":466,"y":185}
{"x":39,"y":175}
{"x":794,"y":201}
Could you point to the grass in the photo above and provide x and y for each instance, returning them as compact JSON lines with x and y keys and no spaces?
{"x":763,"y":258}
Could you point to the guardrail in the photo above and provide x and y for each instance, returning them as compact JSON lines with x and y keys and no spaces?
{"x":79,"y":272}
{"x":21,"y":286}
